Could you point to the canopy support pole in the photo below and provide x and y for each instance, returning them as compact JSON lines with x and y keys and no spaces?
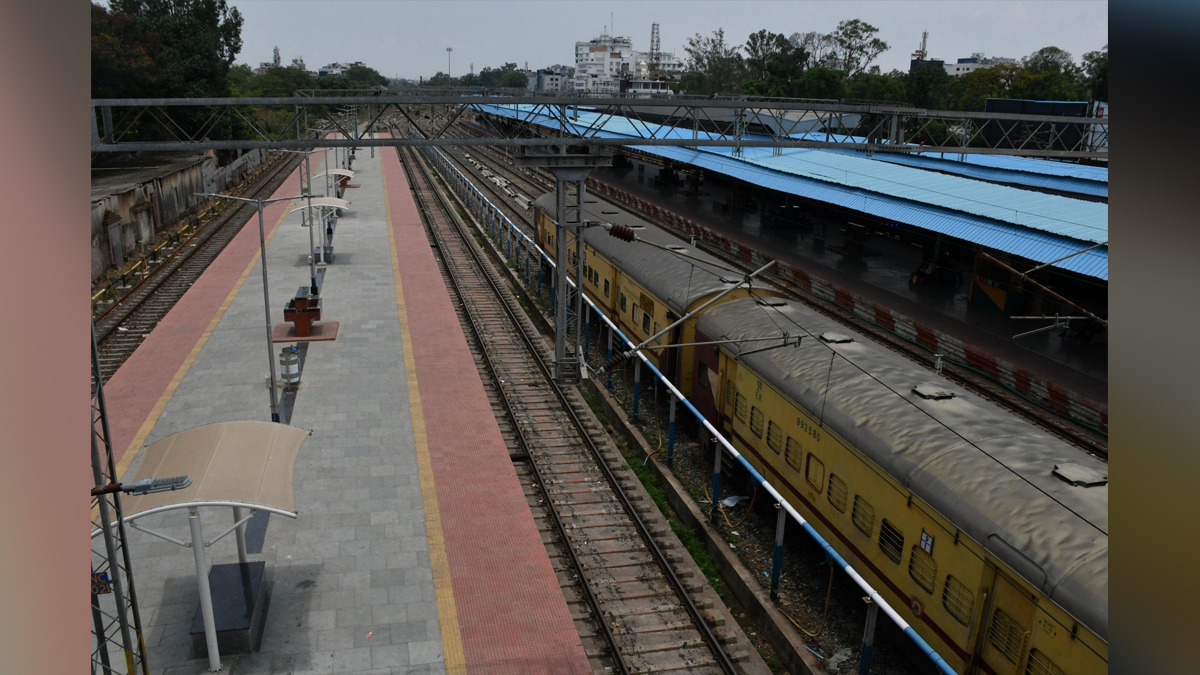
{"x":240,"y":524}
{"x":206,"y":609}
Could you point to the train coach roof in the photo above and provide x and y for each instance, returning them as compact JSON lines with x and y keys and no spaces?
{"x":666,"y":276}
{"x":986,"y":471}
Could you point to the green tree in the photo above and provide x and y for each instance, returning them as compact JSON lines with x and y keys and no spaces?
{"x":1095,"y":74}
{"x":871,"y":87}
{"x":927,"y":87}
{"x":124,"y":56}
{"x":199,"y":40}
{"x":855,"y":46}
{"x":971,"y":90}
{"x":773,"y":62}
{"x":820,"y":82}
{"x":819,"y":49}
{"x":716,"y":67}
{"x":284,"y":81}
{"x":505,"y":76}
{"x":363,"y":76}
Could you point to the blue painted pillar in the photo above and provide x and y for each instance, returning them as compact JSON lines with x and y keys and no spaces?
{"x":587,"y":330}
{"x":864,"y":662}
{"x":671,"y":436}
{"x":527,"y":253}
{"x":610,"y":339}
{"x":777,"y":566}
{"x":716,"y":488}
{"x":637,"y":387}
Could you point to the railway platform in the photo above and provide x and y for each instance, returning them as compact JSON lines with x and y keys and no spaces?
{"x":414,"y":550}
{"x":884,"y":280}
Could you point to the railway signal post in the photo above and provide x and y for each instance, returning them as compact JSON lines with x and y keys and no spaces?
{"x":570,"y":171}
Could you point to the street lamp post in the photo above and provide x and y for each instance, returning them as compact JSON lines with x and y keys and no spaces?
{"x":448,"y":50}
{"x":307,"y":214}
{"x":262,"y":244}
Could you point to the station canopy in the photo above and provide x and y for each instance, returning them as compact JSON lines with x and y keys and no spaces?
{"x":245,"y":463}
{"x":326,"y":202}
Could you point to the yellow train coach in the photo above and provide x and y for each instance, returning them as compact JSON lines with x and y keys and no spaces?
{"x":988,"y":533}
{"x":640,"y":287}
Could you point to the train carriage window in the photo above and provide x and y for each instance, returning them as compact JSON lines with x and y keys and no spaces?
{"x":756,"y":421}
{"x":606,"y":288}
{"x":794,"y":454}
{"x":774,"y":437}
{"x":1040,"y":665}
{"x":622,"y":302}
{"x":958,"y":600}
{"x":702,"y":375}
{"x":837,"y":493}
{"x":815,"y":474}
{"x":739,"y":409}
{"x":645,"y":323}
{"x":863,"y":515}
{"x":923,"y":569}
{"x":891,"y":541}
{"x":1006,"y":635}
{"x":730,"y":392}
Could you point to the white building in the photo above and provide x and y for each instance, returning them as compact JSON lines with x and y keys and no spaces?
{"x":338,"y":68}
{"x":975,"y":62}
{"x":601,"y":63}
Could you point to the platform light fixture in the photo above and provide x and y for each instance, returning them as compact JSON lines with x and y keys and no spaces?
{"x":262,"y":244}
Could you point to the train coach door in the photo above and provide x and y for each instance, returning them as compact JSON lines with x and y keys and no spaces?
{"x":1002,"y":643}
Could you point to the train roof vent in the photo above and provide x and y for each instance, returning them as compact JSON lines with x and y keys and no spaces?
{"x":1079,"y":475}
{"x":675,"y":247}
{"x":610,"y":213}
{"x":932,"y":392}
{"x":833,"y":338}
{"x":770,"y":302}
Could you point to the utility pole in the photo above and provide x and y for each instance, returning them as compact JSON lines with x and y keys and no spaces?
{"x":570,"y":171}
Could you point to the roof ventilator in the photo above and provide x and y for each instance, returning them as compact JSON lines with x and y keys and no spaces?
{"x":833,"y":338}
{"x":770,"y":302}
{"x":932,"y":392}
{"x":1079,"y":475}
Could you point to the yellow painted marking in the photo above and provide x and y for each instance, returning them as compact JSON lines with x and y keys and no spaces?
{"x":452,"y":648}
{"x":135,"y":446}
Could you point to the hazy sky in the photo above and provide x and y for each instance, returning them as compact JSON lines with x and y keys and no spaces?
{"x":408,"y":38}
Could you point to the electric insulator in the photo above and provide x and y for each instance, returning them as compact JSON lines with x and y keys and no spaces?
{"x":622,"y":232}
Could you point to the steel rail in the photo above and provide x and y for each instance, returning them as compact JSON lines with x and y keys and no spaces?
{"x":722,"y":658}
{"x":576,"y":564}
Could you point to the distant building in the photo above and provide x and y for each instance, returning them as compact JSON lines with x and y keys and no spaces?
{"x":975,"y":62}
{"x":555,"y":78}
{"x":602,"y":63}
{"x":264,"y":66}
{"x":338,"y":68}
{"x":915,"y":63}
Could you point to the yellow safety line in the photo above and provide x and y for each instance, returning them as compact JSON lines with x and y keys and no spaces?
{"x":452,"y":648}
{"x":135,"y":445}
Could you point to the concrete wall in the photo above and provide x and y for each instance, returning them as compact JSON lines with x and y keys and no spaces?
{"x":125,"y":219}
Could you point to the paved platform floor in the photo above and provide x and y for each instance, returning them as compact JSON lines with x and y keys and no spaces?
{"x":884,"y":279}
{"x":414,"y":550}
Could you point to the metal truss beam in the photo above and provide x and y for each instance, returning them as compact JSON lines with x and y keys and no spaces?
{"x":661,"y":122}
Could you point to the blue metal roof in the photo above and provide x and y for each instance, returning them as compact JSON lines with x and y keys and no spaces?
{"x":1033,"y":225}
{"x":1028,"y":171}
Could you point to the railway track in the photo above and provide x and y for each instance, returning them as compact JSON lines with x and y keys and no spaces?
{"x":121,"y":327}
{"x":1065,"y":429}
{"x":637,"y":600}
